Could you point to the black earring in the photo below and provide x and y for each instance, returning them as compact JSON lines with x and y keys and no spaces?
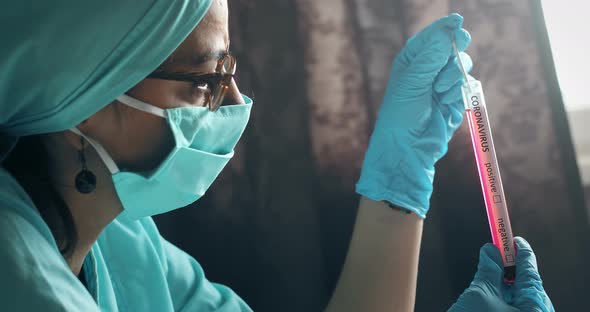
{"x":85,"y":179}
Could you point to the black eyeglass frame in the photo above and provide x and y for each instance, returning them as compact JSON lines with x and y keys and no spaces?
{"x":221,"y":79}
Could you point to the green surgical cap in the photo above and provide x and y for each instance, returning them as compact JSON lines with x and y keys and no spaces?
{"x":61,"y":61}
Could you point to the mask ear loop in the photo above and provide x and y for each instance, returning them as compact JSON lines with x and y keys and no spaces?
{"x":102,"y":153}
{"x":142,"y":106}
{"x":129,"y":101}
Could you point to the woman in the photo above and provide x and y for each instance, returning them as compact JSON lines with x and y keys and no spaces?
{"x":128,"y":109}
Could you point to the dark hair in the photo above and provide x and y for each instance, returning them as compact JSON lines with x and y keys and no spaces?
{"x":29,"y":164}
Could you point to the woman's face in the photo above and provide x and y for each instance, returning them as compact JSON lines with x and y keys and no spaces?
{"x":139,"y":141}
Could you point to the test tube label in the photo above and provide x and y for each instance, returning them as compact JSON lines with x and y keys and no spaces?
{"x":489,"y":171}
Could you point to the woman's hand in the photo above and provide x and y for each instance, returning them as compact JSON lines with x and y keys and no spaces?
{"x":487,"y":292}
{"x":422,"y":108}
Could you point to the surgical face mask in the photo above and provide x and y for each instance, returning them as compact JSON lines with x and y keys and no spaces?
{"x":204,"y":144}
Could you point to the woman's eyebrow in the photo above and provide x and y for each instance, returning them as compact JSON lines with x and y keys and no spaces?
{"x":197,"y":60}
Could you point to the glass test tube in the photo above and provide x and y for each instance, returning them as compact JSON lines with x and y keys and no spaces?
{"x":489,"y":175}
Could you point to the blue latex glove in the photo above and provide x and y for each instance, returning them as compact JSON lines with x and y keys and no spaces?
{"x":487,"y":292}
{"x":422,"y":108}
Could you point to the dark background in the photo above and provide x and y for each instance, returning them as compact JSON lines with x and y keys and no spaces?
{"x":276,"y":224}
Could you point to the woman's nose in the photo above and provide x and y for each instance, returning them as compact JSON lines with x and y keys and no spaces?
{"x":233,"y":95}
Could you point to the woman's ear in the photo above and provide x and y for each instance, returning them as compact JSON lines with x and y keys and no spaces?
{"x":62,"y":146}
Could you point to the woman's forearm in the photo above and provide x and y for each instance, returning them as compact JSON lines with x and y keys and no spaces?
{"x":381,"y":267}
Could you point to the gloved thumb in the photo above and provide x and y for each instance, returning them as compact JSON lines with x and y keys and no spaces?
{"x":490,"y":267}
{"x":527,"y":274}
{"x":529,"y":294}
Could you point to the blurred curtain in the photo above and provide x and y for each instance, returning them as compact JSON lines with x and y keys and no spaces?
{"x":276,"y":224}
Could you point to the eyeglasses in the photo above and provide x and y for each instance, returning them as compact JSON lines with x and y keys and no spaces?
{"x":213,"y":85}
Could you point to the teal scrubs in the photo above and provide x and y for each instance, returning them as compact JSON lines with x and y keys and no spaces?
{"x":130,"y":268}
{"x":61,"y":61}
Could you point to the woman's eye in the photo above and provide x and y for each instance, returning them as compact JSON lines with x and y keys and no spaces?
{"x":200,"y":93}
{"x":201,"y":85}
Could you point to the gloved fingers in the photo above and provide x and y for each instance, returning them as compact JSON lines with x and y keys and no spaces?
{"x":479,"y":299}
{"x":451,"y":74}
{"x":439,"y":29}
{"x":430,"y":139}
{"x":531,"y":299}
{"x":436,"y":40}
{"x":462,"y":38}
{"x":426,"y":64}
{"x":452,"y":95}
{"x":527,"y":274}
{"x":490,"y":267}
{"x":458,"y":110}
{"x":454,"y":116}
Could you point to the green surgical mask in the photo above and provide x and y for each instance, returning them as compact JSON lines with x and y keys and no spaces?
{"x":204,"y":144}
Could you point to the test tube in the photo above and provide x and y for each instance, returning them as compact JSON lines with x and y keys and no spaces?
{"x":489,"y":171}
